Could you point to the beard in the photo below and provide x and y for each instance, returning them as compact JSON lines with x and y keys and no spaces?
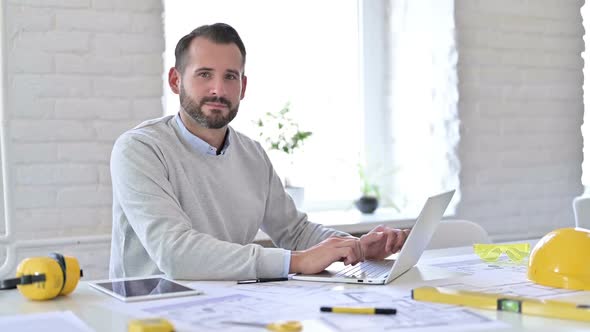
{"x":214,"y":121}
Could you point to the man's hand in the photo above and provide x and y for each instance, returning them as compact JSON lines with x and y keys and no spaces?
{"x":333,"y":249}
{"x":382,"y":242}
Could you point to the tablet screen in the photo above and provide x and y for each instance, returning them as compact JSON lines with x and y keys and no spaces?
{"x":143,"y":287}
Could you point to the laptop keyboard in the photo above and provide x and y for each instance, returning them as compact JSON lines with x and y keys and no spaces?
{"x":368,"y":269}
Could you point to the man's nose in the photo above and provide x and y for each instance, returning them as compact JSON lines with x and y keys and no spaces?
{"x":218,"y":87}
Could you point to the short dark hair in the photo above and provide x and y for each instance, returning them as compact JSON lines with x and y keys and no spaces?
{"x":220,"y":33}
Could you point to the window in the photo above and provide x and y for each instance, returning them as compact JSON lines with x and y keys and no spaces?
{"x":586,"y":127}
{"x":348,"y":68}
{"x":295,"y":56}
{"x":423,"y":85}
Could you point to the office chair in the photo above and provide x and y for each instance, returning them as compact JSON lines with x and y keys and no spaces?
{"x":457,"y":233}
{"x":582,"y":211}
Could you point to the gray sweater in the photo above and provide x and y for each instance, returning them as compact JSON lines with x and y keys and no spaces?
{"x":192,"y":215}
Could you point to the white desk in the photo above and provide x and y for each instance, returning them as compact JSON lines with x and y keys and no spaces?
{"x":92,"y":306}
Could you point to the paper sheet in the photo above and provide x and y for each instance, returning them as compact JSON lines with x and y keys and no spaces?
{"x":471,"y":264}
{"x":413,"y":316}
{"x":63,"y":321}
{"x":502,"y":277}
{"x":299,"y":300}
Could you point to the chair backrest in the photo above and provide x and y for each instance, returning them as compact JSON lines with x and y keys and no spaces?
{"x":582,"y":211}
{"x":458,"y":233}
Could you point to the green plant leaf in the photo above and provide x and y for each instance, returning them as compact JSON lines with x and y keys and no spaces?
{"x":280,"y":132}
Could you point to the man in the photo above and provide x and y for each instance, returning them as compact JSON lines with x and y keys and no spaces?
{"x":190,"y":193}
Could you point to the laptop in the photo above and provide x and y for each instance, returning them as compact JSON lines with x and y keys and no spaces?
{"x":383,"y":272}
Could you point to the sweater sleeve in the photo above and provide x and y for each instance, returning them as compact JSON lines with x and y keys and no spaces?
{"x":285,"y":225}
{"x":141,"y":186}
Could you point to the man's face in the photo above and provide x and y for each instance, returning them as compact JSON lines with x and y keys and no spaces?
{"x":212,"y":83}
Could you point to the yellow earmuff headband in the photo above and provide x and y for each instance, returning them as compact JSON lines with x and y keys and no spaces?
{"x":43,"y":278}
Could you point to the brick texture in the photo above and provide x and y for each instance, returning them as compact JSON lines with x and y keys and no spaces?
{"x":78,"y":74}
{"x":521,"y":108}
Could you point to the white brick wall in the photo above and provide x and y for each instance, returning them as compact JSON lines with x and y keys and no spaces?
{"x":78,"y":74}
{"x":520,"y":93}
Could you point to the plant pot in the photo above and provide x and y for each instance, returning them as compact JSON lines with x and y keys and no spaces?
{"x":367,"y":204}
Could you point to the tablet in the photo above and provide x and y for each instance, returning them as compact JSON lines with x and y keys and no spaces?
{"x":141,"y":289}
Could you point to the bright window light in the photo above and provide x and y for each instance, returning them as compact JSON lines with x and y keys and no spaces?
{"x":303,"y":52}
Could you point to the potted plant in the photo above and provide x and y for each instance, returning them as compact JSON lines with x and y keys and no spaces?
{"x":369,"y":200}
{"x":370,"y":193}
{"x":279,"y":132}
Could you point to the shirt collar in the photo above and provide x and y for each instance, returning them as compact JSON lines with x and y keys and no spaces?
{"x":198,"y":144}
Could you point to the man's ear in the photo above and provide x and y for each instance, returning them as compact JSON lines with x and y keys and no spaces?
{"x":174,"y":80}
{"x":244,"y":83}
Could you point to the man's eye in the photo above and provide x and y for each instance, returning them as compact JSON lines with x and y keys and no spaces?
{"x":204,"y":74}
{"x":231,"y":77}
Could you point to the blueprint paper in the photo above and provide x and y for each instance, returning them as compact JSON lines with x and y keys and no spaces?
{"x":501,"y":277}
{"x":299,"y":300}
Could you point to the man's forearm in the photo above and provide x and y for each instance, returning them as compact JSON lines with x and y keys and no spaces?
{"x":296,"y":257}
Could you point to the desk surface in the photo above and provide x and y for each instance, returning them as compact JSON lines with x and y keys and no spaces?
{"x":94,"y":308}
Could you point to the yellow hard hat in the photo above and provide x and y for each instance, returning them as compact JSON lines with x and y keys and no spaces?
{"x":560,"y":259}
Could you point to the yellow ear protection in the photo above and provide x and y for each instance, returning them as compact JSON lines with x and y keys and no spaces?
{"x":43,"y":278}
